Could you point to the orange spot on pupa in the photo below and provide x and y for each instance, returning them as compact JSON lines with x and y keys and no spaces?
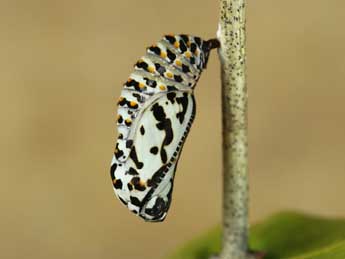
{"x":114,"y":181}
{"x":188,"y":43}
{"x":163,"y":54}
{"x":176,"y":44}
{"x":188,"y":54}
{"x":128,"y":120}
{"x":169,"y":74}
{"x":141,"y":85}
{"x":129,"y":80}
{"x":178,"y":62}
{"x":162,"y":87}
{"x":132,"y":103}
{"x":151,"y":69}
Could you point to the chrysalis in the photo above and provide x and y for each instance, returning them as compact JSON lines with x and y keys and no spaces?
{"x":155,"y":112}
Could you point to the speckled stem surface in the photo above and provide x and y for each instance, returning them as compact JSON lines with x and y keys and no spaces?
{"x":232,"y":53}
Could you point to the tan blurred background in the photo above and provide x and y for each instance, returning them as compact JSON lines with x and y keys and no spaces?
{"x":62,"y":64}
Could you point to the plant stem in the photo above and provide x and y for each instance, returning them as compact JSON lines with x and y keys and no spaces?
{"x":232,"y":53}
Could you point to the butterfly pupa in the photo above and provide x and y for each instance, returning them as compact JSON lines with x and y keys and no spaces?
{"x":155,"y":112}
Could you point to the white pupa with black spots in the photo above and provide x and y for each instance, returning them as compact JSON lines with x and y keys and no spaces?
{"x":155,"y":112}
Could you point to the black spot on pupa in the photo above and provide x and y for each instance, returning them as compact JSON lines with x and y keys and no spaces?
{"x":158,"y":112}
{"x":142,"y":130}
{"x":129,"y":143}
{"x":171,"y":97}
{"x":193,"y":47}
{"x":171,"y":88}
{"x":155,"y":50}
{"x":137,"y":184}
{"x":164,"y":157}
{"x":138,"y":97}
{"x":184,"y":102}
{"x":118,"y":152}
{"x":160,"y":69}
{"x":171,"y":55}
{"x":118,"y":184}
{"x":142,"y":64}
{"x":120,"y":119}
{"x":192,"y":60}
{"x":130,"y":186}
{"x":122,"y":102}
{"x":185,"y":68}
{"x":150,"y":83}
{"x":183,"y":46}
{"x":170,"y":38}
{"x":128,"y":123}
{"x":184,"y":37}
{"x":158,"y":208}
{"x":134,"y":157}
{"x":197,"y":41}
{"x":178,"y":78}
{"x":112,"y":171}
{"x":163,"y":124}
{"x":132,"y":171}
{"x":135,"y":201}
{"x":154,"y":150}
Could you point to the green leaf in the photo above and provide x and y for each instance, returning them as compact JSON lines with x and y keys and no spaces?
{"x":285,"y":235}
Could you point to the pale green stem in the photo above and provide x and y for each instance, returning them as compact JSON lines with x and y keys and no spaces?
{"x":232,"y":53}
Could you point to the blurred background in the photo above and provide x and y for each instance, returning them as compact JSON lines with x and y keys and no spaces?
{"x":62,"y":65}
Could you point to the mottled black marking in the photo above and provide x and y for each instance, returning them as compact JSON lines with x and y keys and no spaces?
{"x":120,"y":119}
{"x":135,"y":201}
{"x":171,"y":97}
{"x":129,"y":143}
{"x":132,"y":171}
{"x":193,"y":47}
{"x":170,"y":38}
{"x":142,"y":64}
{"x":184,"y":102}
{"x":184,"y":37}
{"x":120,"y":136}
{"x":158,"y":209}
{"x":155,"y":50}
{"x":183,"y":46}
{"x":154,"y":150}
{"x":129,"y":186}
{"x":160,"y":69}
{"x":192,"y":60}
{"x":118,"y":184}
{"x":112,"y":171}
{"x":133,"y":83}
{"x":128,"y":123}
{"x":171,"y":55}
{"x":118,"y":152}
{"x":150,"y":83}
{"x":142,"y":130}
{"x":197,"y":41}
{"x":139,"y":97}
{"x":158,"y":112}
{"x":134,"y":157}
{"x":137,"y":185}
{"x":178,"y":78}
{"x":122,"y":102}
{"x":171,"y":88}
{"x":185,"y":68}
{"x":163,"y":124}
